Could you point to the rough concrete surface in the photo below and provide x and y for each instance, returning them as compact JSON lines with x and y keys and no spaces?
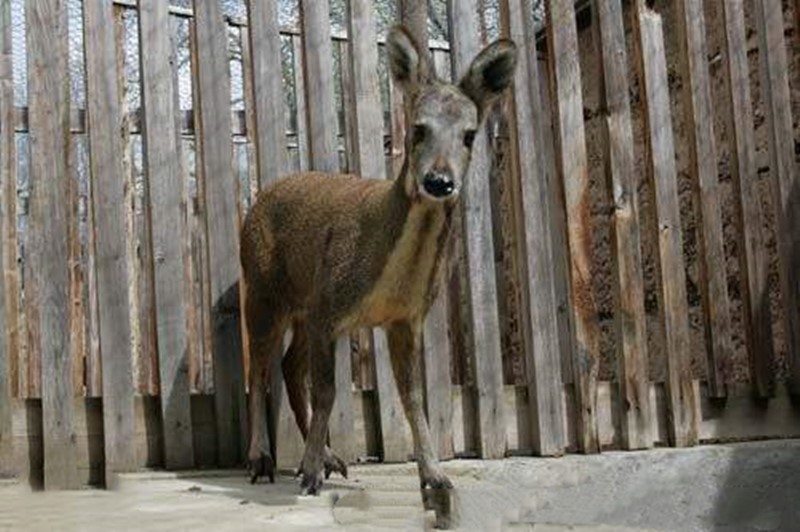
{"x":723,"y":488}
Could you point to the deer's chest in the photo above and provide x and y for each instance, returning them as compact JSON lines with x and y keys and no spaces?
{"x":401,"y":291}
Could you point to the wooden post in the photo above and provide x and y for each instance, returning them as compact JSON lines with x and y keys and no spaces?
{"x":162,"y":155}
{"x":573,"y":168}
{"x":483,"y":321}
{"x":699,"y":113}
{"x":368,"y":161}
{"x":651,"y":62}
{"x":108,"y":190}
{"x":783,"y":169}
{"x":630,"y":319}
{"x":753,"y":255}
{"x":322,"y":147}
{"x":532,"y":185}
{"x":48,"y":115}
{"x":215,"y":152}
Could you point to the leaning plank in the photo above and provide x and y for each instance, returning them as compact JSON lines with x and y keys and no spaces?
{"x":482,"y":318}
{"x":651,"y":61}
{"x":630,"y":319}
{"x":572,"y":163}
{"x":786,"y":188}
{"x":753,"y":256}
{"x":222,"y":220}
{"x":703,"y":166}
{"x":48,"y":93}
{"x":531,"y":180}
{"x":108,"y":191}
{"x":322,"y":148}
{"x":368,"y":161}
{"x":162,"y":155}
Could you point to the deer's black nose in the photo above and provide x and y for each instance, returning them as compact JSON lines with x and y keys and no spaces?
{"x":438,"y":184}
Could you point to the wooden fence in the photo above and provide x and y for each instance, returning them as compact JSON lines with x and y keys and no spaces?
{"x":629,"y":241}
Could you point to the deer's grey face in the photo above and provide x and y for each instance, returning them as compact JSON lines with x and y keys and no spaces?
{"x":444,"y":119}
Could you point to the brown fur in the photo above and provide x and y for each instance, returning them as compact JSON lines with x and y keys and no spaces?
{"x":326,"y":254}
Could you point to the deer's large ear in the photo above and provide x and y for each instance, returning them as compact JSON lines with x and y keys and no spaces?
{"x":409,"y":63}
{"x":490,"y":73}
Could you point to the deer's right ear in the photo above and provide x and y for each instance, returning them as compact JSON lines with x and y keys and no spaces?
{"x":408,"y":62}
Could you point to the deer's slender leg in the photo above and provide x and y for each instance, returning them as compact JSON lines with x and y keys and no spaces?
{"x":266,"y":335}
{"x":295,"y":374}
{"x":404,"y":347}
{"x":323,"y":393}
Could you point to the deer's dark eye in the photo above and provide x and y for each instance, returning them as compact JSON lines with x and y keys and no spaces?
{"x":418,"y":134}
{"x":469,"y":138}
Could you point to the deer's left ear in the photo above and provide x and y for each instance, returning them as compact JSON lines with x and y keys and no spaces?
{"x":490,"y":73}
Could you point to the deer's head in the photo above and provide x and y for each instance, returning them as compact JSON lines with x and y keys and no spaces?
{"x":444,"y":118}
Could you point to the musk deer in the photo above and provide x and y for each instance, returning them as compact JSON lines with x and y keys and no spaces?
{"x":326,"y":254}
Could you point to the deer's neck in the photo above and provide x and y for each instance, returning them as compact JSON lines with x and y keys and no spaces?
{"x":419,"y":233}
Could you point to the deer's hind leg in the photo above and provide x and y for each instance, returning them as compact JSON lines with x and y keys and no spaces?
{"x":295,"y":374}
{"x":265,"y":328}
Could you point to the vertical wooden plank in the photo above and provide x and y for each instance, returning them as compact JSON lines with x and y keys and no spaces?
{"x":533,"y":179}
{"x":8,"y":241}
{"x":319,"y":85}
{"x":786,"y":186}
{"x":265,"y":57}
{"x":222,"y":220}
{"x":572,"y":164}
{"x":108,"y":189}
{"x":162,"y":156}
{"x":300,"y":102}
{"x":630,"y":319}
{"x":321,"y":123}
{"x":753,"y":255}
{"x":699,"y":115}
{"x":438,"y":349}
{"x":651,"y":62}
{"x":483,"y":321}
{"x":263,"y":62}
{"x":368,"y":161}
{"x":48,"y":115}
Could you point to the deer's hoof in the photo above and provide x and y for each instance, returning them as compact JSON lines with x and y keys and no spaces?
{"x":310,"y":482}
{"x":263,"y":466}
{"x":334,"y":464}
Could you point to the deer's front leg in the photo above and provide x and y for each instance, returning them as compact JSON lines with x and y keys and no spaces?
{"x":405,"y":340}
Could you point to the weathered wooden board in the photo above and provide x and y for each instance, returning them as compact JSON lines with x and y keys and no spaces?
{"x":269,"y":137}
{"x":212,"y":93}
{"x":368,"y":161}
{"x":753,"y":255}
{"x":112,"y":274}
{"x":483,"y":321}
{"x":699,"y":114}
{"x":572,"y":163}
{"x":321,"y":123}
{"x":48,"y":94}
{"x":9,"y":276}
{"x":300,"y":103}
{"x":532,"y":182}
{"x":162,"y":156}
{"x":319,"y":86}
{"x":652,"y":66}
{"x":769,"y":25}
{"x":630,"y":319}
